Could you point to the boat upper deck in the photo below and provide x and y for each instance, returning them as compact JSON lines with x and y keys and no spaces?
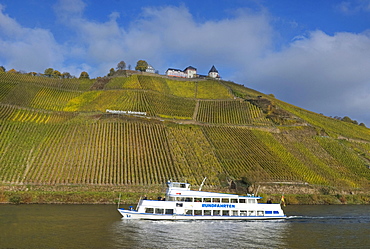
{"x":176,"y":189}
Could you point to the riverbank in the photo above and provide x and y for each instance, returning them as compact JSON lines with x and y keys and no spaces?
{"x":67,"y":194}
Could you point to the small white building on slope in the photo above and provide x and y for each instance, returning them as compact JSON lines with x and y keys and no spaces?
{"x":150,"y":69}
{"x":189,"y":72}
{"x":213,"y":73}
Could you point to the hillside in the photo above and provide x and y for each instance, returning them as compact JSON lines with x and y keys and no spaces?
{"x":56,"y":132}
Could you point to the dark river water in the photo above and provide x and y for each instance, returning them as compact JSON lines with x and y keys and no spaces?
{"x":100,"y":226}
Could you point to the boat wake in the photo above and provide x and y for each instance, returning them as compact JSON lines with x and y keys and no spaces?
{"x":330,"y":219}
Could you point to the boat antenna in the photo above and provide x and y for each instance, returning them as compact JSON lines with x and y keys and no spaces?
{"x":201,"y":185}
{"x":137,"y":206}
{"x":119,"y":200}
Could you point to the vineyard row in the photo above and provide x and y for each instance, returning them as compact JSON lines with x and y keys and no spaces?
{"x":128,"y":152}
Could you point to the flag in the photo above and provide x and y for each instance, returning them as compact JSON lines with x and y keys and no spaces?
{"x":282,"y":200}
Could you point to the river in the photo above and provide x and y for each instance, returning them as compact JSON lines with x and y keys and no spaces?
{"x":100,"y":226}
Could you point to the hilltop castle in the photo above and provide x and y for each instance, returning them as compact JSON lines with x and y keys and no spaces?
{"x":191,"y":72}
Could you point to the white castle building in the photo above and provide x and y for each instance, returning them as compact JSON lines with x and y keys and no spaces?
{"x":191,"y":72}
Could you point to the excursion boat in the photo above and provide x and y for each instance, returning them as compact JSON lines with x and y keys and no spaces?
{"x":181,"y":203}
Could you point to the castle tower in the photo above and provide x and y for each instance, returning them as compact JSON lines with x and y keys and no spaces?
{"x":213,"y":73}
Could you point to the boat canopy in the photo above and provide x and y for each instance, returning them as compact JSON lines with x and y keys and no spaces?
{"x":183,"y":189}
{"x":178,"y":185}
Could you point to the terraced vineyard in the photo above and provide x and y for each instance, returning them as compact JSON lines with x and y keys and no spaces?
{"x":193,"y":154}
{"x":39,"y":92}
{"x":123,"y":83}
{"x":231,"y":112}
{"x":250,"y":155}
{"x":57,"y":132}
{"x":122,"y":153}
{"x":11,"y":113}
{"x":330,"y":126}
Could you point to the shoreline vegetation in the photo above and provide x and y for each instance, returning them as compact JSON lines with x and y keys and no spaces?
{"x":12,"y":194}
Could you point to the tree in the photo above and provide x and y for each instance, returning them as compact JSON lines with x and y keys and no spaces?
{"x":347,"y":119}
{"x":12,"y":71}
{"x":141,"y":65}
{"x":57,"y":74}
{"x":2,"y":69}
{"x":111,"y":72}
{"x":121,"y":65}
{"x":49,"y":72}
{"x":66,"y":75}
{"x":250,"y":182}
{"x":84,"y":75}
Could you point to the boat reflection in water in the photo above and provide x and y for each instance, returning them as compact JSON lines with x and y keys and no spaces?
{"x":200,"y":234}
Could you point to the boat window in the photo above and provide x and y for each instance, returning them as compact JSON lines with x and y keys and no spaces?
{"x":216,"y":200}
{"x":149,"y":210}
{"x":159,"y":210}
{"x":207,"y":200}
{"x":189,"y":199}
{"x":216,"y":212}
{"x":259,"y":213}
{"x":234,"y":212}
{"x":189,"y":212}
{"x":171,"y":198}
{"x":197,"y":212}
{"x":251,"y":201}
{"x":268,"y":212}
{"x":169,"y":211}
{"x":225,"y":213}
{"x":180,"y":198}
{"x":276,"y":212}
{"x":179,"y":204}
{"x":182,"y":185}
{"x":176,"y":185}
{"x":198,"y":199}
{"x":207,"y":212}
{"x":251,"y":213}
{"x":234,"y":200}
{"x":225,"y":200}
{"x":243,"y":213}
{"x":241,"y":200}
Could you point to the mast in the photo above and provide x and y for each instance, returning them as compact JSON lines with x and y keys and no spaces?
{"x":119,"y":200}
{"x":201,"y":185}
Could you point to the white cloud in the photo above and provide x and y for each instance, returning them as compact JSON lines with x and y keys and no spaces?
{"x":169,"y":34}
{"x":67,"y":9}
{"x":323,"y":73}
{"x":97,"y":44}
{"x":354,"y":6}
{"x":177,"y":35}
{"x":160,"y":35}
{"x":25,"y":48}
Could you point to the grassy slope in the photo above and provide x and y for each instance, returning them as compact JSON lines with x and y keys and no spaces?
{"x":56,"y":132}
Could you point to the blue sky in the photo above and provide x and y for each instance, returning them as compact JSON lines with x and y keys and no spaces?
{"x":310,"y":53}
